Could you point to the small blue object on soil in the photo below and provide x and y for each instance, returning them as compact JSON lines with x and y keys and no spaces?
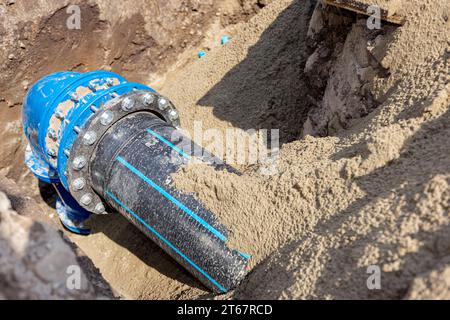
{"x":224,"y":40}
{"x":201,"y":54}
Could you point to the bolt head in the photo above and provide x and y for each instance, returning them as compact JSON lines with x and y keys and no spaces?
{"x":52,"y":134}
{"x":148,"y":99}
{"x":173,"y":115}
{"x":91,"y":86}
{"x":74,"y":96}
{"x":79,"y":162}
{"x":89,"y":138}
{"x":109,"y":82}
{"x":86,"y":199}
{"x":127,"y":104}
{"x":79,"y":183}
{"x":107,"y":117}
{"x":59,"y":114}
{"x":100,"y":208}
{"x":51,"y":152}
{"x":163,"y":103}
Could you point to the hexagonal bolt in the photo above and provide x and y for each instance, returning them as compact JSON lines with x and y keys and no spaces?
{"x":78,"y":184}
{"x":127,"y":104}
{"x":59,"y":114}
{"x":86,"y":199}
{"x":148,"y":99}
{"x":173,"y":115}
{"x":52,"y":134}
{"x":51,"y":153}
{"x":100,"y":208}
{"x":107,"y":117}
{"x":74,"y":97}
{"x":109,"y":82}
{"x":92,"y":86}
{"x":79,"y":162}
{"x":89,"y":138}
{"x":163,"y":103}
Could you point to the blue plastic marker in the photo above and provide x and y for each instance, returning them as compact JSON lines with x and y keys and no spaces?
{"x":201,"y":54}
{"x":224,"y":40}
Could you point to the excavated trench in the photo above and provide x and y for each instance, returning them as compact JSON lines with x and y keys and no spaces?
{"x":315,"y":72}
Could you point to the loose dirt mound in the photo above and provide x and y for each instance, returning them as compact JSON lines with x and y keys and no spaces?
{"x":374,"y":194}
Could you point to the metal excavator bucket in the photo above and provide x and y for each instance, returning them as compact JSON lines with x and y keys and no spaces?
{"x":106,"y":143}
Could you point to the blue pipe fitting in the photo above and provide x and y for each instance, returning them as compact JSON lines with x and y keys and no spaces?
{"x":54,"y":111}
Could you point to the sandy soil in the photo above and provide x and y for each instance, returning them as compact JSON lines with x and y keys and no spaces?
{"x":376,"y":193}
{"x":363,"y":176}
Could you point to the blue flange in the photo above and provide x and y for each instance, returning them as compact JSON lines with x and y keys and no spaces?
{"x":54,"y":111}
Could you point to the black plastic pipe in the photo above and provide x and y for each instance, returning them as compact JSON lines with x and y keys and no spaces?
{"x":132,"y":167}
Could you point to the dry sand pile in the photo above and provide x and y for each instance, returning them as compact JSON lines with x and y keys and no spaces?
{"x":375,"y":193}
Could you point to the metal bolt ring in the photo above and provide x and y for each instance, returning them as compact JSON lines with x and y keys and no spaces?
{"x":141,"y":102}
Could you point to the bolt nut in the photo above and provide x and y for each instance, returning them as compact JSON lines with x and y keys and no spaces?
{"x":89,"y":138}
{"x":92,"y":86}
{"x":100,"y":208}
{"x":163,"y":103}
{"x":79,"y":162}
{"x":173,"y":115}
{"x":148,"y":99}
{"x":52,"y":134}
{"x":51,"y":152}
{"x":107,"y":117}
{"x":109,"y":82}
{"x":74,"y":97}
{"x":127,"y":104}
{"x":59,"y":114}
{"x":78,"y":184}
{"x":86,"y":199}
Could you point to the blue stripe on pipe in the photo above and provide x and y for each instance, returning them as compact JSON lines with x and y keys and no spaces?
{"x":244,"y":255}
{"x":207,"y":276}
{"x":170,"y":144}
{"x":172,"y":199}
